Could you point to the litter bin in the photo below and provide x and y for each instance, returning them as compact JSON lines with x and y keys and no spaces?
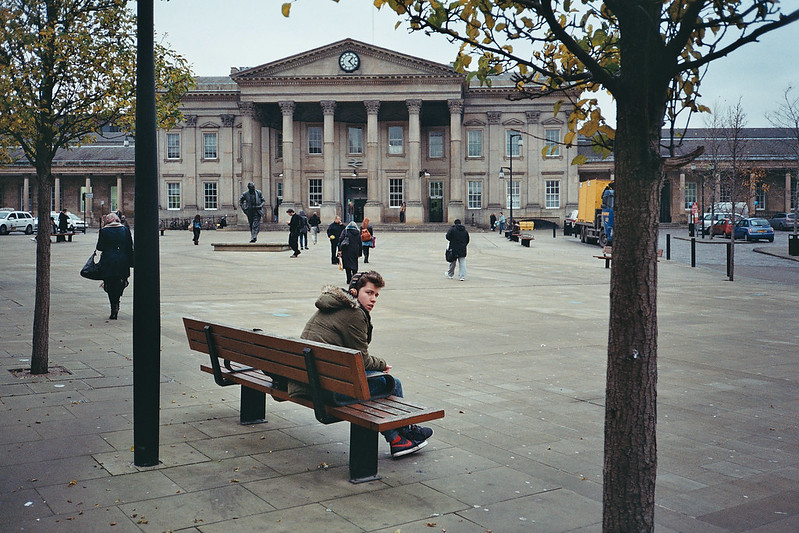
{"x":793,"y":244}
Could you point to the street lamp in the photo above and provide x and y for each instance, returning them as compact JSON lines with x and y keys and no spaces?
{"x":517,"y":137}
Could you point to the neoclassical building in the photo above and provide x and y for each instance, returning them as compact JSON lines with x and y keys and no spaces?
{"x":352,"y":121}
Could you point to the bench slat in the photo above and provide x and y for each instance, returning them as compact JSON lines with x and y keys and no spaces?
{"x":339,"y":369}
{"x":376,"y":415}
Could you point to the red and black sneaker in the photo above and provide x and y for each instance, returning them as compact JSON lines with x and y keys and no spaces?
{"x":401,"y":446}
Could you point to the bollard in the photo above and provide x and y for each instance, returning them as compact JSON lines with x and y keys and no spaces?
{"x":554,"y":229}
{"x":693,"y":252}
{"x":729,"y":252}
{"x":668,"y":246}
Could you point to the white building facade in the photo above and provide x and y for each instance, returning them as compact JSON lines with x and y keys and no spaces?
{"x":351,"y":121}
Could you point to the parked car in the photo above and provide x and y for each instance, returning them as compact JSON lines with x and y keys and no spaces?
{"x":74,"y":222}
{"x":16,"y":221}
{"x":721,"y":226}
{"x":568,"y":222}
{"x":782,"y":221}
{"x":710,"y":219}
{"x":754,"y":229}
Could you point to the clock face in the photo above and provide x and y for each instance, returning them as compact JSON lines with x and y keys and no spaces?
{"x":349,"y":61}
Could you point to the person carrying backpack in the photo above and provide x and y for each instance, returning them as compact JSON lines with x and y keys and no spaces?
{"x":367,"y":238}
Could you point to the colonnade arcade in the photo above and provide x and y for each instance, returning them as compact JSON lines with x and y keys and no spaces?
{"x":345,"y":167}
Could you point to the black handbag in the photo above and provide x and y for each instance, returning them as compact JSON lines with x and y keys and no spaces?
{"x":449,"y":255}
{"x":91,"y":270}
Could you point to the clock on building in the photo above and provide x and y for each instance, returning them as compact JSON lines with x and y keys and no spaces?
{"x":349,"y":61}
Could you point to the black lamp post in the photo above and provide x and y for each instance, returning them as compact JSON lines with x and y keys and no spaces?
{"x":517,"y":136}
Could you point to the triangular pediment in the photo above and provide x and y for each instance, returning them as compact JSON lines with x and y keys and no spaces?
{"x":474,"y":122}
{"x":323,"y":62}
{"x":513,"y":122}
{"x":209,"y":124}
{"x":552,"y":121}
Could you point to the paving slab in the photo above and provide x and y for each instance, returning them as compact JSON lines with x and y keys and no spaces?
{"x":516,"y":355}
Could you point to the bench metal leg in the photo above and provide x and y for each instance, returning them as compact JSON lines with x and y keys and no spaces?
{"x":363,"y":455}
{"x":607,"y":263}
{"x":253,"y":406}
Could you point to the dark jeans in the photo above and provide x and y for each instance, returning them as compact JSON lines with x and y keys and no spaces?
{"x":350,"y":272}
{"x":196,"y":234}
{"x":334,"y":252}
{"x":304,"y":240}
{"x":378,"y":387}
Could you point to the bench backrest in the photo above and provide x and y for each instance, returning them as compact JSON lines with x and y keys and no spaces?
{"x":339,"y":369}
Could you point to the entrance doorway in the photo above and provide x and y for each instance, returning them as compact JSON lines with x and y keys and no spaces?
{"x":436,"y":190}
{"x":355,"y":190}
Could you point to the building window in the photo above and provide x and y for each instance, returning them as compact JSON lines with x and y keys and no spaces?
{"x":395,"y":193}
{"x":475,"y":194}
{"x":314,"y":140}
{"x":173,"y":145}
{"x":354,"y":140}
{"x":690,"y":194}
{"x":760,"y":198}
{"x":474,"y":140}
{"x":724,"y":192}
{"x":436,"y":189}
{"x":512,"y":191}
{"x":279,"y":192}
{"x":552,"y":194}
{"x":315,"y":192}
{"x":512,"y":144}
{"x":210,"y":195}
{"x":552,"y":143}
{"x":52,"y":197}
{"x":279,"y":146}
{"x":209,"y":146}
{"x":435,"y":144}
{"x":173,"y":195}
{"x":395,"y":145}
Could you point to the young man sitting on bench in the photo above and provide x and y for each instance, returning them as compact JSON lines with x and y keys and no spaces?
{"x":343,"y":319}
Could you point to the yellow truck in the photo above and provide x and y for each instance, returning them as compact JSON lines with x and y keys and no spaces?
{"x":595,"y":212}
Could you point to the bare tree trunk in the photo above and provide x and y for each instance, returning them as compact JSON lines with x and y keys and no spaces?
{"x":630,"y":464}
{"x":41,"y":310}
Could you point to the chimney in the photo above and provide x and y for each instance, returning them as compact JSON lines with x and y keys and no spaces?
{"x":234,"y":70}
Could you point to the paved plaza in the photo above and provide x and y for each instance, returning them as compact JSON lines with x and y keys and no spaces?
{"x":516,"y":355}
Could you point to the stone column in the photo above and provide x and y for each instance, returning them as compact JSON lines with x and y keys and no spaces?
{"x":495,"y":160}
{"x":25,"y":204}
{"x":257,"y":169}
{"x":331,"y":199}
{"x":246,"y":109}
{"x":681,"y":216}
{"x":120,"y":203}
{"x":457,"y":208}
{"x":188,"y":152}
{"x":89,"y":203}
{"x":289,"y":201}
{"x":535,"y":182}
{"x":57,"y":192}
{"x":414,"y":213}
{"x":373,"y":209}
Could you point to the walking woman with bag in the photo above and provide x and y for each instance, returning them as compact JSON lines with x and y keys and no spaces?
{"x":116,"y":243}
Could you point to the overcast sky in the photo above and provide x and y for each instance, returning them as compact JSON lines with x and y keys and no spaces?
{"x":217,"y":34}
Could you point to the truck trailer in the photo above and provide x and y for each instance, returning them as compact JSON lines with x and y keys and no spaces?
{"x":595,"y":212}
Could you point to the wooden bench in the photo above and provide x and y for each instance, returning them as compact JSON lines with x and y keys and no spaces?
{"x":262,"y":364}
{"x":606,"y":255}
{"x":68,"y":235}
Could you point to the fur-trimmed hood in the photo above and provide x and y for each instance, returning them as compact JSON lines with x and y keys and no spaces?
{"x":334,"y":298}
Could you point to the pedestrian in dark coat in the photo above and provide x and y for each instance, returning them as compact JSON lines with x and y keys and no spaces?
{"x":333,"y":233}
{"x":458,"y":239}
{"x":116,"y":243}
{"x":63,"y":222}
{"x":295,"y":224}
{"x":350,"y":248}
